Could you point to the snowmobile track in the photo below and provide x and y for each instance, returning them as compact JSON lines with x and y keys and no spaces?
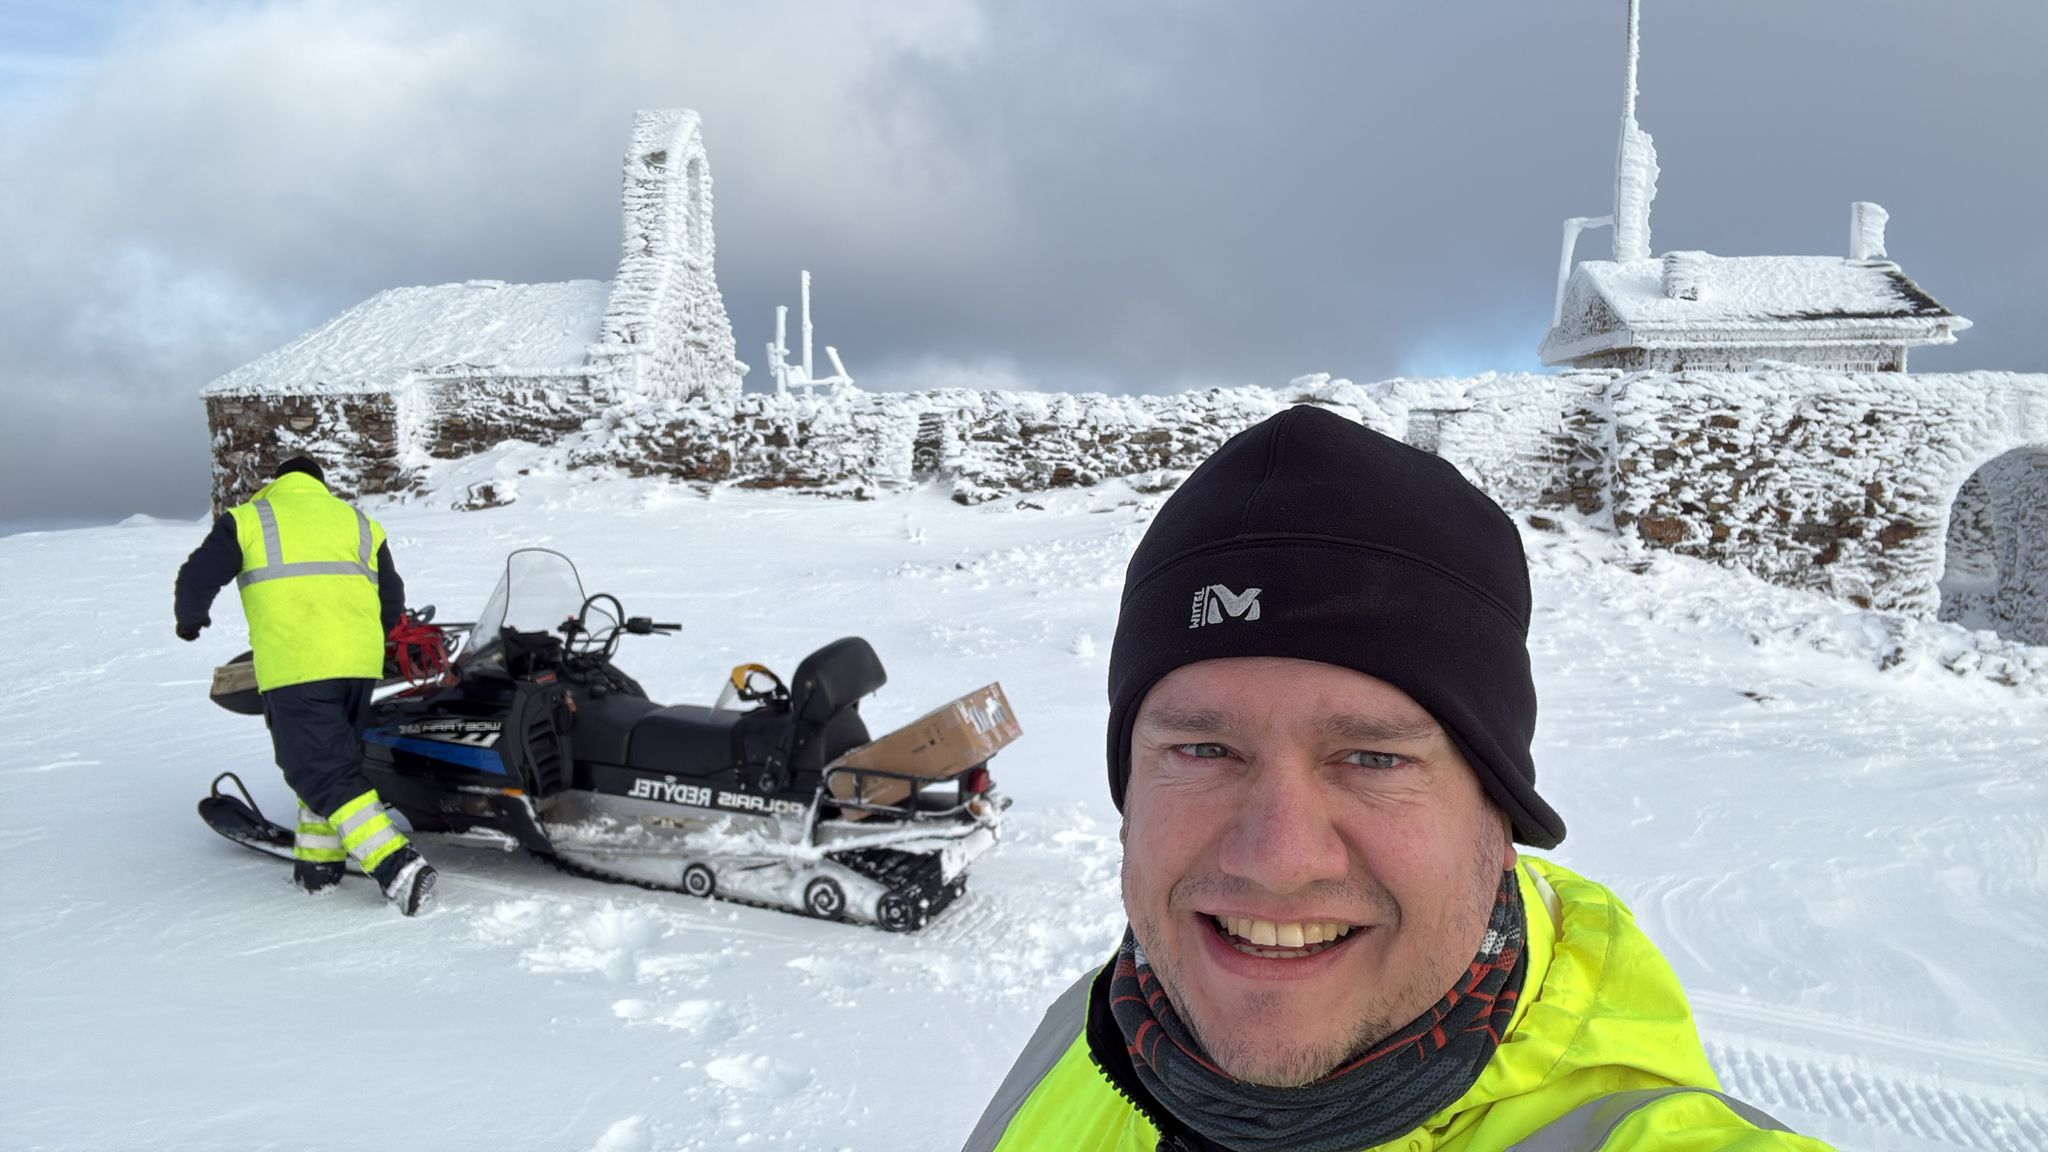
{"x":585,"y":872}
{"x":1957,"y":1113}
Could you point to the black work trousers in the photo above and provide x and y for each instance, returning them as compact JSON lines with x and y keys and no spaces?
{"x":317,"y":730}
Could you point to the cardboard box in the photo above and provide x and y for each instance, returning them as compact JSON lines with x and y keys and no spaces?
{"x":943,"y":742}
{"x":229,"y":679}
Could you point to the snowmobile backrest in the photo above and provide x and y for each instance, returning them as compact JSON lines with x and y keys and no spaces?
{"x":784,"y":742}
{"x":773,"y":739}
{"x":833,"y":678}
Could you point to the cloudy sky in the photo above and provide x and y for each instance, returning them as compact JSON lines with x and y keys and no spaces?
{"x":1133,"y":195}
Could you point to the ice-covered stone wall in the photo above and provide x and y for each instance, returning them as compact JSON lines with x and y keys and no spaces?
{"x":353,"y":434}
{"x":1926,"y":495}
{"x":1514,"y":434}
{"x":988,"y":445}
{"x":1840,"y":483}
{"x":456,"y":416}
{"x":372,"y":443}
{"x":849,"y":443}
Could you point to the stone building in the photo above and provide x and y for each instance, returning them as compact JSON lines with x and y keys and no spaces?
{"x":1692,"y":311}
{"x":444,"y":371}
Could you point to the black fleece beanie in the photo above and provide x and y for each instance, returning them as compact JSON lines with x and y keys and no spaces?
{"x":1311,"y":536}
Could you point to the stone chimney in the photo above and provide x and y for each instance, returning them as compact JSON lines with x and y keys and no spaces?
{"x":1866,"y":231}
{"x":1682,"y":274}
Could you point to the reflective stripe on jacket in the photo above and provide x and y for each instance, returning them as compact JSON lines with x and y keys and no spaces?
{"x":1601,"y":1015}
{"x":309,"y":584}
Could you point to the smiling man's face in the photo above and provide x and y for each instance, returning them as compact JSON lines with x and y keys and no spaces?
{"x":1309,"y":863}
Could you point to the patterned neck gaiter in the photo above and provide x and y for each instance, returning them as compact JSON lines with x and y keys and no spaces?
{"x":1383,"y":1093}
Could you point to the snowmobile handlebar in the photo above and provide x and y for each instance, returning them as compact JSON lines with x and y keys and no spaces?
{"x":595,"y":629}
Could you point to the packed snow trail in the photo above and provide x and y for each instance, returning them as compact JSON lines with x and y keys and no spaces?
{"x":1843,"y":861}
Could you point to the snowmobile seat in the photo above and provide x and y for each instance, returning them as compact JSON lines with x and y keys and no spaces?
{"x":604,"y":725}
{"x":682,"y":740}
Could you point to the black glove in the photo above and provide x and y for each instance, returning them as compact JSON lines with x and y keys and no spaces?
{"x":189,"y":631}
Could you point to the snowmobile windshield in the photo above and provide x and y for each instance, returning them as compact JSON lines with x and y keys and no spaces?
{"x":539,"y":590}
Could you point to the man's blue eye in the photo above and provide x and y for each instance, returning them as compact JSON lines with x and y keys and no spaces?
{"x":1375,"y":759}
{"x":1205,"y":751}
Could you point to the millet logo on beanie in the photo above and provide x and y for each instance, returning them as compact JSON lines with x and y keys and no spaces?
{"x":1215,"y":602}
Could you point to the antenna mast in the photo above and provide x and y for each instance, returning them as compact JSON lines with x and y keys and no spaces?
{"x":1635,"y":164}
{"x":1628,"y":99}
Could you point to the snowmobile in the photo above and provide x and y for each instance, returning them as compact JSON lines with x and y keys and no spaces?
{"x":530,"y":736}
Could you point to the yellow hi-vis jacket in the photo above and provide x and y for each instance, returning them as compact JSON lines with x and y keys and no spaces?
{"x":309,"y":584}
{"x":1600,"y":1014}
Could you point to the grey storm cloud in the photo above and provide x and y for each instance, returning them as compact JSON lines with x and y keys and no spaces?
{"x":1140,"y":195}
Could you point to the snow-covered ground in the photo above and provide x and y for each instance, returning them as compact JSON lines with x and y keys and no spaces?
{"x":1841,"y":844}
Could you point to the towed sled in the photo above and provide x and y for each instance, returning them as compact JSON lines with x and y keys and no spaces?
{"x":531,"y":737}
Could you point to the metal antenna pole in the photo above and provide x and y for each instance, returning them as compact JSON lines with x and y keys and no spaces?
{"x":1635,"y":161}
{"x":1628,"y":97}
{"x":808,"y":374}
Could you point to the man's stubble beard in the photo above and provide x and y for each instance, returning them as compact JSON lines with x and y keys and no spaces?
{"x":1242,"y":1060}
{"x":1251,"y":1060}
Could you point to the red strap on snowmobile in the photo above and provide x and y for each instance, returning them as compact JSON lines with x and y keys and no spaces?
{"x":421,"y":651}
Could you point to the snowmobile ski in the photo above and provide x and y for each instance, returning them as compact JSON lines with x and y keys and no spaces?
{"x":240,"y":820}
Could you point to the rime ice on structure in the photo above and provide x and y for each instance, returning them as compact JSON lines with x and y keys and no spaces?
{"x":666,"y":335}
{"x":1766,"y":420}
{"x":1694,"y":310}
{"x":1697,"y":311}
{"x":1635,"y":167}
{"x":786,"y":374}
{"x":1753,"y":412}
{"x":414,"y":374}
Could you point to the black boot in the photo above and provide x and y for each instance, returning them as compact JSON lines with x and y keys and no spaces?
{"x":316,"y":876}
{"x":407,"y":880}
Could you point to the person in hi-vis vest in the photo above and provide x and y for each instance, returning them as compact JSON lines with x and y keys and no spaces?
{"x":321,"y":594}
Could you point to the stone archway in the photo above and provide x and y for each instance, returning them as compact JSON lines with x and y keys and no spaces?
{"x":1996,"y":573}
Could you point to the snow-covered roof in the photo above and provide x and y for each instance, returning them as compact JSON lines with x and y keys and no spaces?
{"x":1688,"y":299}
{"x":446,"y":329}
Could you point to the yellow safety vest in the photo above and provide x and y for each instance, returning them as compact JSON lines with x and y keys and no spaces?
{"x":1601,"y":1024}
{"x":309,"y":584}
